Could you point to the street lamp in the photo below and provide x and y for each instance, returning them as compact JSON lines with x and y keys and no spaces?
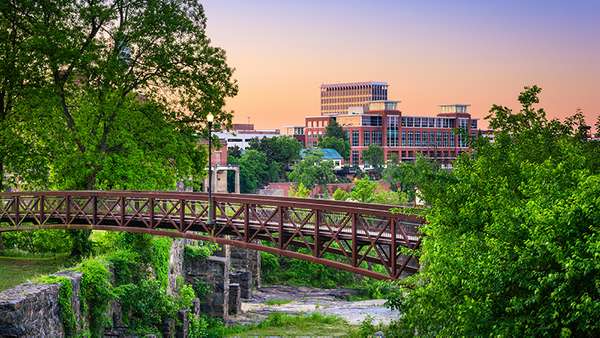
{"x":211,"y":211}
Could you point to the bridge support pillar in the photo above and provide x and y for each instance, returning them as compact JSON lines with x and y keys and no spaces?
{"x":214,"y":273}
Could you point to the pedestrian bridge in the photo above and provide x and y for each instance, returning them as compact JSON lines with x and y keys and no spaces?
{"x":355,"y":237}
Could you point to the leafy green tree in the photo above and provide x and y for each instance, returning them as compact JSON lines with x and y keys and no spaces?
{"x":339,"y":144}
{"x":334,"y":130}
{"x":423,"y":174}
{"x":300,"y":191}
{"x":121,"y":89}
{"x":363,"y":190}
{"x":511,"y":246}
{"x":313,"y":170}
{"x":374,"y":157}
{"x":341,"y":195}
{"x":253,"y":170}
{"x":281,"y":152}
{"x":390,"y":197}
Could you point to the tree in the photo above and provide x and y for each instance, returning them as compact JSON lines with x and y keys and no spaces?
{"x":253,"y":170}
{"x":340,"y":145}
{"x":341,"y":195}
{"x":511,"y":245}
{"x":281,"y":152}
{"x":363,"y":190}
{"x":374,"y":157}
{"x":425,"y":175}
{"x":334,"y":130}
{"x":122,"y":88}
{"x":313,"y":170}
{"x":300,"y":191}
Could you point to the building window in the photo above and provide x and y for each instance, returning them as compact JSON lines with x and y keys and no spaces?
{"x":473,"y":124}
{"x":404,"y":138}
{"x":377,"y":137}
{"x":392,"y":131}
{"x":354,"y":157}
{"x":355,"y":138}
{"x":366,"y":138}
{"x":410,"y":138}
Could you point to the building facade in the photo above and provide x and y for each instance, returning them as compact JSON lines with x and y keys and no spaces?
{"x":314,"y":127}
{"x":296,"y":132}
{"x":241,"y":135}
{"x":336,"y":98}
{"x":442,"y":137}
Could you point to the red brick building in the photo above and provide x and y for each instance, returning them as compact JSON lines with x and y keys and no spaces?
{"x":404,"y":137}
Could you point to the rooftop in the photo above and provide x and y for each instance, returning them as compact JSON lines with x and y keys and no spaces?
{"x":328,"y":153}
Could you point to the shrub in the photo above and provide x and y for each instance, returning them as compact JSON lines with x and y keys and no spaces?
{"x":96,"y":292}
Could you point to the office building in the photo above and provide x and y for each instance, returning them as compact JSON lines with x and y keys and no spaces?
{"x":336,"y":98}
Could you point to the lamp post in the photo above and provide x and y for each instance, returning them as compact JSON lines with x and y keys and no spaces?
{"x":211,"y":211}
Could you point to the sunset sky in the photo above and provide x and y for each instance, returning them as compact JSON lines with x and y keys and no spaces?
{"x":429,"y":52}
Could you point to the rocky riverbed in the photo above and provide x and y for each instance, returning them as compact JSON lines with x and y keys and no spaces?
{"x":297,"y":300}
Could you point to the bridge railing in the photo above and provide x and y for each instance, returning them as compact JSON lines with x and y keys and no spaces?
{"x":358,"y":235}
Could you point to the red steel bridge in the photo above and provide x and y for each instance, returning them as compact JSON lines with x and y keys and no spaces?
{"x":354,"y":237}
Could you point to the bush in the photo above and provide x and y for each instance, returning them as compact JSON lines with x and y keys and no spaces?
{"x":65,"y":296}
{"x":96,"y":292}
{"x":147,"y":305}
{"x":39,"y":241}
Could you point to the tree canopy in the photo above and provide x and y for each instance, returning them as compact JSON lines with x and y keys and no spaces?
{"x":313,"y":170}
{"x":101,"y":92}
{"x":511,"y":247}
{"x":107,"y":95}
{"x":374,"y":157}
{"x":281,"y":152}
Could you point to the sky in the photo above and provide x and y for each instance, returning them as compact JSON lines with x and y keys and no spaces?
{"x":429,"y":52}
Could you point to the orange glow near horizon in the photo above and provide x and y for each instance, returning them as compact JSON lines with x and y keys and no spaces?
{"x":428,"y":54}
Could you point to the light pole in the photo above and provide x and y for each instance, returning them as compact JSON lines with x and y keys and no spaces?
{"x":211,"y":211}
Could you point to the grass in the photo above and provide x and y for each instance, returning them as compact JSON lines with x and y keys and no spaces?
{"x":17,"y":270}
{"x":284,"y":325}
{"x":277,"y":301}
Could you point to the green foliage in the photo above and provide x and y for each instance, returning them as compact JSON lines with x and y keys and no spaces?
{"x":363,"y":190}
{"x":161,"y":248}
{"x":199,"y":326}
{"x":390,"y":197}
{"x":253,"y":170}
{"x":511,"y":247}
{"x":423,"y":174}
{"x":290,"y":271}
{"x":126,"y":266}
{"x":200,"y":251}
{"x":96,"y":292}
{"x":281,"y":152}
{"x":313,"y":170}
{"x":341,"y":195}
{"x":65,"y":296}
{"x":341,"y":145}
{"x":285,"y":325}
{"x":373,"y":156}
{"x":334,"y":129}
{"x":300,"y":191}
{"x":146,"y":304}
{"x":39,"y":241}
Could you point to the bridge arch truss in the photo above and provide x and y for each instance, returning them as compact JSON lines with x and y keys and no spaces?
{"x":354,"y":237}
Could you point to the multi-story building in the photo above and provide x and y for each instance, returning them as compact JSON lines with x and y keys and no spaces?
{"x":296,"y":132}
{"x":336,"y":98}
{"x":241,"y":135}
{"x":314,"y":128}
{"x":403,"y":137}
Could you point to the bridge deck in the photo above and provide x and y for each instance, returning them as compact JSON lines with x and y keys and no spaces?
{"x":358,"y":235}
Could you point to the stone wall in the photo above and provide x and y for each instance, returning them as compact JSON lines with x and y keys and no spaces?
{"x":214,"y":272}
{"x":32,"y":310}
